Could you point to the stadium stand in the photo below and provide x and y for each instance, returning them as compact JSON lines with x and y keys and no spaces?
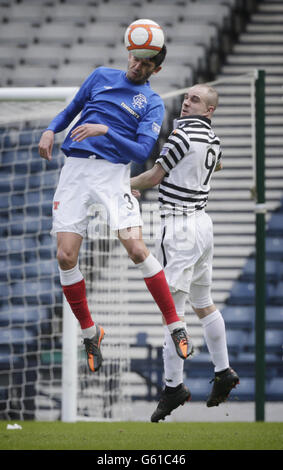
{"x":30,"y":32}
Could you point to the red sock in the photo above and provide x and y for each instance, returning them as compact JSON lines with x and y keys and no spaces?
{"x":159,"y":289}
{"x":76,"y":296}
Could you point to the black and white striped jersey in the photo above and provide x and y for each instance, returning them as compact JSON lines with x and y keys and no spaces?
{"x":189,"y":158}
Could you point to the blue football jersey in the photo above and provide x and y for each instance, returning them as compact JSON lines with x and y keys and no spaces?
{"x":108,"y":97}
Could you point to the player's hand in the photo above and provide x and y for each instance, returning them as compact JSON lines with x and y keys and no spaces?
{"x":45,"y":145}
{"x":88,"y":130}
{"x":136,"y":193}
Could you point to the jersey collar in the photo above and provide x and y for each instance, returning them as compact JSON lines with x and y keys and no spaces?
{"x":194,"y":117}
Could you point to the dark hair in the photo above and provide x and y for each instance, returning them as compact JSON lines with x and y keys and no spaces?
{"x":159,"y":58}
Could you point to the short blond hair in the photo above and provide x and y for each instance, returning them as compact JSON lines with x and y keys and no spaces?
{"x":211,"y":95}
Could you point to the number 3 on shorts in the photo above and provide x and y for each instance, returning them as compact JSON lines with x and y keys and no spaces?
{"x":130,"y":205}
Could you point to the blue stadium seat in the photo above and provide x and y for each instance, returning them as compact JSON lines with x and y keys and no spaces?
{"x":17,"y":336}
{"x":7,"y":158}
{"x":31,"y":270}
{"x":274,"y":247}
{"x":22,"y":315}
{"x":243,"y":293}
{"x":246,"y":358}
{"x":238,"y":316}
{"x":3,"y":246}
{"x":17,"y":228}
{"x":199,"y":366}
{"x":274,"y":316}
{"x":50,"y":179}
{"x":273,"y":270}
{"x":277,"y":296}
{"x":6,"y":186}
{"x":46,"y":225}
{"x":8,"y":362}
{"x":46,"y":209}
{"x":34,"y":182}
{"x":275,"y":224}
{"x":274,"y":389}
{"x":47,"y":240}
{"x":22,"y":155}
{"x":33,"y":211}
{"x":15,"y":259}
{"x":273,"y":341}
{"x":33,"y":197}
{"x":199,"y":387}
{"x":236,"y":339}
{"x":4,"y":201}
{"x":47,"y":194}
{"x":22,"y":168}
{"x":36,"y":166}
{"x":20,"y":183}
{"x":32,"y":287}
{"x":55,"y":163}
{"x":32,"y":226}
{"x":244,"y":391}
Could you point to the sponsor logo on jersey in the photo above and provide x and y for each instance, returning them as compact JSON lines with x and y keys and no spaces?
{"x":130,"y":110}
{"x":56,"y":205}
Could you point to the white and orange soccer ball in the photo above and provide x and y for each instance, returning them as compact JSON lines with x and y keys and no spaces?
{"x":144,"y":38}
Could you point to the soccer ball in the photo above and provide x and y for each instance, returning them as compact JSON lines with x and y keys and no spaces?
{"x":144,"y":38}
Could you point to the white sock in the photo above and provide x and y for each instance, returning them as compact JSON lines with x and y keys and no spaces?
{"x":179,"y":298}
{"x":215,"y":337}
{"x":173,"y":364}
{"x":89,"y":332}
{"x":150,"y":266}
{"x":70,"y":276}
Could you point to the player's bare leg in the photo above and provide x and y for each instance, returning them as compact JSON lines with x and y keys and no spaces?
{"x":156,"y":283}
{"x":73,"y":285}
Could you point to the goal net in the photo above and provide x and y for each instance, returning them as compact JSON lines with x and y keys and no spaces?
{"x":43,"y":372}
{"x":43,"y":365}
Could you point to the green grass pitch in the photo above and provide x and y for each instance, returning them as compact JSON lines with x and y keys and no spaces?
{"x":142,"y":436}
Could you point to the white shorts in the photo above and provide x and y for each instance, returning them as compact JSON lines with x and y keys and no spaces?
{"x":185,"y":250}
{"x":94,"y":188}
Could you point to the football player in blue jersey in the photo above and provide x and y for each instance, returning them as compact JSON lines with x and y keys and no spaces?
{"x":120,"y":119}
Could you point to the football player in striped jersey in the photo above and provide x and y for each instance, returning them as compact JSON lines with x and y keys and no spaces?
{"x":183,"y":172}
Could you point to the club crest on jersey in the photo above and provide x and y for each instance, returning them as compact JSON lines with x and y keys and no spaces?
{"x":139,"y":101}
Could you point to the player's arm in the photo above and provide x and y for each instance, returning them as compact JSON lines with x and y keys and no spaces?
{"x":139,"y":149}
{"x":45,"y":145}
{"x":171,"y":154}
{"x":149,"y":178}
{"x":64,"y":118}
